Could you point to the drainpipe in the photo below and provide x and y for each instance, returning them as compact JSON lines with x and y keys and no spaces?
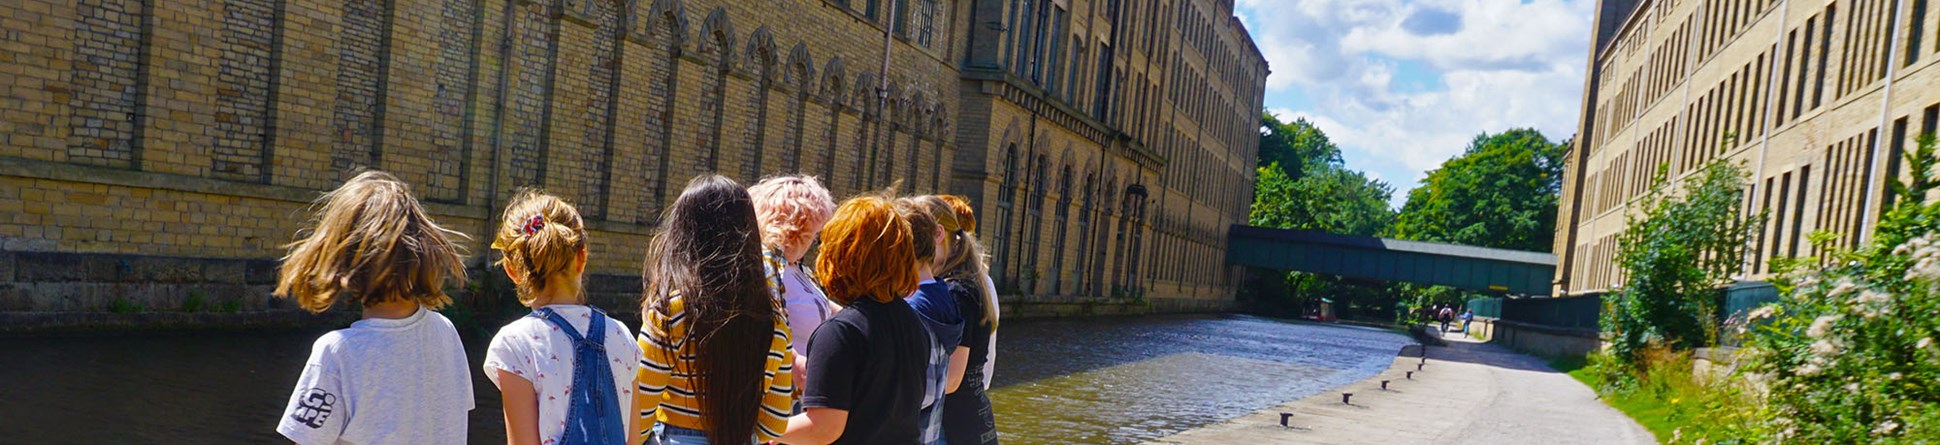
{"x":882,"y":89}
{"x":1885,"y":118}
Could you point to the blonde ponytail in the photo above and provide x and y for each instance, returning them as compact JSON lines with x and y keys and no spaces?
{"x":540,"y":238}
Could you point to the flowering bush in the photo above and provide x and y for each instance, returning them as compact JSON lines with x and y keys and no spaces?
{"x":1849,"y":353}
{"x":1676,"y":252}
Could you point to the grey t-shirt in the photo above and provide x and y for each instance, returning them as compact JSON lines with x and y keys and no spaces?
{"x":383,"y":381}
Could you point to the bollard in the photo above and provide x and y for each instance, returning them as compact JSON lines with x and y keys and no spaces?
{"x":1283,"y":419}
{"x":1384,"y":385}
{"x":1344,"y":396}
{"x":1411,"y":375}
{"x":1424,"y":360}
{"x":1418,"y":366}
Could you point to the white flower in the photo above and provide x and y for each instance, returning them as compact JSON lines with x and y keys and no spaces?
{"x":1821,"y":325}
{"x":1827,"y":347}
{"x":1843,"y":287}
{"x":1764,"y":312}
{"x":1894,"y":376}
{"x":1885,"y":428}
{"x":1924,"y":268}
{"x":1852,"y":387}
{"x":1810,"y":369}
{"x":1924,"y":342}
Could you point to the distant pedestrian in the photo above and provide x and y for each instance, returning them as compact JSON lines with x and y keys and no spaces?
{"x":399,"y":375}
{"x":566,"y":370}
{"x":1467,"y":316}
{"x":1447,"y":315}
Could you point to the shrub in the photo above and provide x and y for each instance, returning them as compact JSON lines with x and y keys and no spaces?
{"x":1675,"y":254}
{"x":1850,"y":351}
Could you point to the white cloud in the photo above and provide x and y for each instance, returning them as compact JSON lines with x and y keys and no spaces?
{"x":1499,"y":65}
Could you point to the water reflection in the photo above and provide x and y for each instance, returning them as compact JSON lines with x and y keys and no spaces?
{"x":1089,"y":381}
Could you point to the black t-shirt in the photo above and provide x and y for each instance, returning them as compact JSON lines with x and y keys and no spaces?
{"x":870,"y":359}
{"x":976,"y":332}
{"x":967,"y":415}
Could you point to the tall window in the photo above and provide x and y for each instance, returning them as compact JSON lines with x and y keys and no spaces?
{"x":1026,"y":40}
{"x":1078,"y":276}
{"x":1058,"y":225}
{"x":1006,"y":195}
{"x":1036,"y":224}
{"x":926,"y":23}
{"x":1056,"y":56}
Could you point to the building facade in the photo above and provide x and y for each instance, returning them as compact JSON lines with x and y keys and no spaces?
{"x":159,"y":154}
{"x":1818,"y":100}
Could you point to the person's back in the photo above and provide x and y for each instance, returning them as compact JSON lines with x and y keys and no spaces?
{"x":874,"y":361}
{"x":399,"y":374}
{"x":383,"y":381}
{"x":937,"y":307}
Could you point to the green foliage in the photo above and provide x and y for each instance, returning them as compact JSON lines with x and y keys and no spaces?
{"x":1500,"y":192}
{"x":1675,"y":254}
{"x":1330,"y":198}
{"x":1665,"y":397}
{"x":1849,"y":354}
{"x":1302,"y":184}
{"x":1295,"y":146}
{"x":123,"y":306}
{"x":194,"y":303}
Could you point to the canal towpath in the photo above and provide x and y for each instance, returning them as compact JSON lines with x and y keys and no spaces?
{"x":1468,"y":392}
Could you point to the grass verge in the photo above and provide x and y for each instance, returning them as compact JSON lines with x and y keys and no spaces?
{"x":1661,"y":401}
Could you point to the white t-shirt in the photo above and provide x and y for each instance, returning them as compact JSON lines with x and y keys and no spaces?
{"x":383,"y":381}
{"x":533,"y":348}
{"x":990,"y":354}
{"x":807,"y":306}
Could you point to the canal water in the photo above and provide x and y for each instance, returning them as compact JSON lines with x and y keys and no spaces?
{"x":1079,"y":381}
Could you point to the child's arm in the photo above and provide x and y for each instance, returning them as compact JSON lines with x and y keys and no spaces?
{"x":656,"y":367}
{"x":959,"y":360}
{"x":521,"y":409}
{"x":815,"y":426}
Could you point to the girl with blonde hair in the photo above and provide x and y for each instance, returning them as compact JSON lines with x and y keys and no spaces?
{"x":399,"y":374}
{"x":792,"y":210}
{"x":967,"y":414}
{"x":566,"y":370}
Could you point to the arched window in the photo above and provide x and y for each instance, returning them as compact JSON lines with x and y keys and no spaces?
{"x":665,"y":34}
{"x":1058,"y":226}
{"x":1035,"y":225}
{"x":761,"y":52}
{"x":1006,"y":196}
{"x":1082,"y":283}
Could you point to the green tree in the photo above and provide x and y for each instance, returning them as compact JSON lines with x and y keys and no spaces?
{"x":1330,"y":198}
{"x":1301,"y":183}
{"x":1298,"y":146}
{"x":1500,"y":192}
{"x":1676,"y":253}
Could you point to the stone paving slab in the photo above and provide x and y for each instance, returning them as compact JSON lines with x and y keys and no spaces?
{"x":1466,"y":393}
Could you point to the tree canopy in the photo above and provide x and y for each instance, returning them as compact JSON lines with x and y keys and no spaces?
{"x":1297,"y":146}
{"x":1500,"y":192}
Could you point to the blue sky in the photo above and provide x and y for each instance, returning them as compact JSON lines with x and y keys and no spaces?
{"x":1402,"y":85}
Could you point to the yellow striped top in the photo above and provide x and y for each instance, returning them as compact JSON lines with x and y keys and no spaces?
{"x":668,"y":396}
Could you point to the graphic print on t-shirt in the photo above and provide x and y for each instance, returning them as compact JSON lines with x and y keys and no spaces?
{"x":313,"y":408}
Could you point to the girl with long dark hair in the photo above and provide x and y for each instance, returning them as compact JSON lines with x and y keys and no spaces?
{"x":717,"y":366}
